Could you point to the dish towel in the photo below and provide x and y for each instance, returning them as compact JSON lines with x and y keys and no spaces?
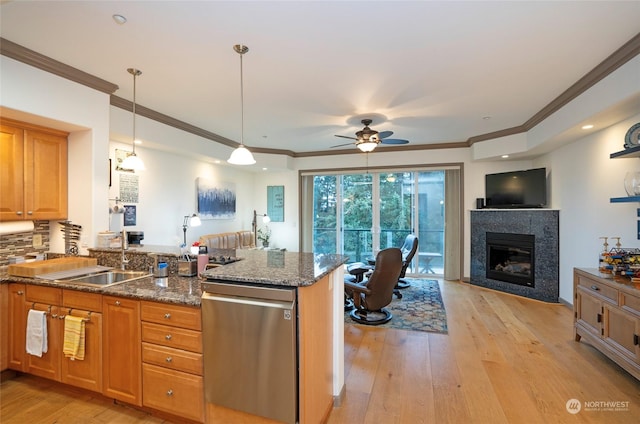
{"x":36,"y":333}
{"x":73,"y":338}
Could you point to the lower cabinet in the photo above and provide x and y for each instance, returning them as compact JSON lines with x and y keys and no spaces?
{"x":172,"y":359}
{"x":17,"y":322}
{"x":121,"y":370}
{"x":607,"y":315}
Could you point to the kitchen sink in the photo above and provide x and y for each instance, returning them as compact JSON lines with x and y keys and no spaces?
{"x":106,"y":278}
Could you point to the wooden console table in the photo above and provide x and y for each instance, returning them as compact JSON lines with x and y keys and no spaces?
{"x":607,"y":315}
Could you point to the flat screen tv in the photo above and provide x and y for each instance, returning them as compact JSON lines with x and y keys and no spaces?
{"x":517,"y":189}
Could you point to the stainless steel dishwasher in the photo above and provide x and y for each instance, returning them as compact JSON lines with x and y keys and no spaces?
{"x":250,"y":348}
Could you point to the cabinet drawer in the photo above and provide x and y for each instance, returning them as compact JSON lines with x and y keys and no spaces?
{"x":176,"y":359}
{"x":179,"y":338}
{"x":630,"y":303}
{"x":48,"y":295}
{"x":82,"y":300}
{"x":172,"y":391}
{"x":179,"y":316}
{"x":599,"y":288}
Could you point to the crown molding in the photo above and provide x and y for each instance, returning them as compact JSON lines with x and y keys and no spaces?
{"x":37,"y":60}
{"x":618,"y":58}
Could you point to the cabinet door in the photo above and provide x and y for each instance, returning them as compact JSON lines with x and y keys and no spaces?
{"x":122,"y":364}
{"x":12,"y":175}
{"x":47,"y":365}
{"x":18,"y":327}
{"x":88,"y":372}
{"x":621,"y":331}
{"x":4,"y":327}
{"x":45,"y":176}
{"x":589,"y":311}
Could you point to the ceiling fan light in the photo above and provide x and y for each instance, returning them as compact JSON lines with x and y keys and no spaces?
{"x":241,"y":156}
{"x":133,"y":162}
{"x":367,"y":146}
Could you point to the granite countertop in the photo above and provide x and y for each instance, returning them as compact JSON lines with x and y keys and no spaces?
{"x":256,"y":266}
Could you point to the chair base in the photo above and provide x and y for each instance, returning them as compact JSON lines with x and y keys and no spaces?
{"x":348,"y":304}
{"x":402,"y":284}
{"x":371,"y":317}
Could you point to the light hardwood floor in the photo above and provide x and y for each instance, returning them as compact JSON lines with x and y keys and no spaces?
{"x":506,"y":359}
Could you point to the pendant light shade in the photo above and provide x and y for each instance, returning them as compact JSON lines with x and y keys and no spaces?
{"x":133,"y":161}
{"x":241,"y":155}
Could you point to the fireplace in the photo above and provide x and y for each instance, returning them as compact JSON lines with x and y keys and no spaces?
{"x":540,"y":227}
{"x":511,"y":258}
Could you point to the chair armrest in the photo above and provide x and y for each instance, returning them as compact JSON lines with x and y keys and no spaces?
{"x":356,"y":287}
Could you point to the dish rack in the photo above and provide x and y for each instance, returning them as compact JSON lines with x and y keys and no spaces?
{"x":71,"y":233}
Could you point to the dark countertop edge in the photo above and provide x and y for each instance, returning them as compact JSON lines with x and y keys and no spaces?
{"x":116,"y":290}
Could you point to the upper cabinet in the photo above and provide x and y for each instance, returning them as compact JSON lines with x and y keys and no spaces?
{"x":33,"y":181}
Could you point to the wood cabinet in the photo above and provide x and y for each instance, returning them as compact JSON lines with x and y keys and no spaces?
{"x":315,"y":351}
{"x":121,"y":370}
{"x":607,"y":315}
{"x":34,"y":178}
{"x":88,"y":372}
{"x":17,"y":327}
{"x":4,"y":327}
{"x":172,"y":359}
{"x":46,"y":299}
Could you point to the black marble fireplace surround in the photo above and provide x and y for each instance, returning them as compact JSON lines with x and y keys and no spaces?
{"x":543,"y":225}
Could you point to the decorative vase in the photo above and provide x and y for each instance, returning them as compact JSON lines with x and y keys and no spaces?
{"x":632,"y":183}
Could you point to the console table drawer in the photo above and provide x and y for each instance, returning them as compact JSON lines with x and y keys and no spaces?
{"x":600,"y":289}
{"x":630,"y":303}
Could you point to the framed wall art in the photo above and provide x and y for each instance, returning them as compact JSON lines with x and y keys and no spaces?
{"x":275,"y":203}
{"x":216,"y":200}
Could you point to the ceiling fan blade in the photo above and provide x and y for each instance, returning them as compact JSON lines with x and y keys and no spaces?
{"x":394,"y":141}
{"x":341,"y":145}
{"x":344,"y":136}
{"x":385,"y":134}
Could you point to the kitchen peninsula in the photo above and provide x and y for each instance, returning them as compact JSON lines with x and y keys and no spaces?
{"x":158,"y":319}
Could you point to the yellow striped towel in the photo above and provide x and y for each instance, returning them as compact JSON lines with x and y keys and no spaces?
{"x":73,"y":338}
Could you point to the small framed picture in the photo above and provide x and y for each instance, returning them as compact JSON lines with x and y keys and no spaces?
{"x":129,"y":215}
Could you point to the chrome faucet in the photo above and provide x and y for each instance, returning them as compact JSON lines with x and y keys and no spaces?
{"x":123,"y":248}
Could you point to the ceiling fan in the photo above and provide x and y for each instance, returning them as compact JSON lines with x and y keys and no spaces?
{"x":367,"y":139}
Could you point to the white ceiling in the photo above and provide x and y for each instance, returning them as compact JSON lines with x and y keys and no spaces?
{"x":433,"y":69}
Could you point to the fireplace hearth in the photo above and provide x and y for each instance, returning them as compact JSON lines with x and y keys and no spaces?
{"x":516,"y":251}
{"x":511,"y":258}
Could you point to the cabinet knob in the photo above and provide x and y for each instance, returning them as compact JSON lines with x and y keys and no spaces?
{"x":169,"y":392}
{"x":167,"y":315}
{"x":29,"y":212}
{"x":169,"y":359}
{"x":19,"y":292}
{"x":636,"y":342}
{"x":19,"y":213}
{"x":117,"y":303}
{"x":168,"y":337}
{"x":596,"y":288}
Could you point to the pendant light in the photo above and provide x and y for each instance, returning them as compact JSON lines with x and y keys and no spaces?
{"x":133,"y":161}
{"x":241,"y":155}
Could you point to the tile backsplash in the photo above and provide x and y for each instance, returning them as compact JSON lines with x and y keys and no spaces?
{"x":20,"y":244}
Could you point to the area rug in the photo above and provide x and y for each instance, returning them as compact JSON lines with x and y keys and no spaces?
{"x":420,"y":309}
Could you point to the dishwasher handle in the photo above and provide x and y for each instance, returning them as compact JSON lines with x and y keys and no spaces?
{"x":248,"y":301}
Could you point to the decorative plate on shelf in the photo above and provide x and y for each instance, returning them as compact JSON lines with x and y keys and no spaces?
{"x":632,"y":138}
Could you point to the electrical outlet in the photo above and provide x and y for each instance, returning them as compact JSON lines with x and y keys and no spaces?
{"x":37,"y":240}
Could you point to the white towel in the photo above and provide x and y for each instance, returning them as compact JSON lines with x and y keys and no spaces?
{"x":36,"y":332}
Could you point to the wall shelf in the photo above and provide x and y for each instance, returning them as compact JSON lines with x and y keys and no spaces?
{"x":627,"y":199}
{"x":631,"y":152}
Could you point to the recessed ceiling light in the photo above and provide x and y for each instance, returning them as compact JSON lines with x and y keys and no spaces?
{"x":264,"y":169}
{"x":486,"y":118}
{"x":137,"y":141}
{"x":504,"y":156}
{"x":587,"y":127}
{"x":119,"y":19}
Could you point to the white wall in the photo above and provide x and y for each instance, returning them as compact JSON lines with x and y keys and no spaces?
{"x":583,"y":179}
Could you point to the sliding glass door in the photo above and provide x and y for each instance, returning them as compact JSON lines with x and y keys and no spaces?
{"x":361,"y":214}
